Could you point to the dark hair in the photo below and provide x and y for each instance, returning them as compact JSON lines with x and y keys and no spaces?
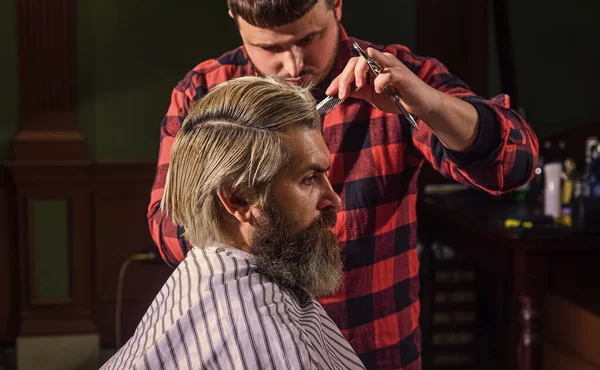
{"x":272,"y":13}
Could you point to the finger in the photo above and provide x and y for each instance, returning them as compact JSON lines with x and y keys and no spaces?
{"x":360,"y":72}
{"x":346,"y":78}
{"x":381,"y":81}
{"x":364,"y":93}
{"x":383,"y":59}
{"x":333,"y":87}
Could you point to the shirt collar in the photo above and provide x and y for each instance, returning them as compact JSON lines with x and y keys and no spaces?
{"x":225,"y":248}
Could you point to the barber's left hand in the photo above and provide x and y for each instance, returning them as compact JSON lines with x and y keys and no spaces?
{"x":418,"y":98}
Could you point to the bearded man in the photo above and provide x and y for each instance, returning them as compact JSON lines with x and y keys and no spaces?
{"x":248,"y":181}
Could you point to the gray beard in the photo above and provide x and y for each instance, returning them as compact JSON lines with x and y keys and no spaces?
{"x":307,"y":258}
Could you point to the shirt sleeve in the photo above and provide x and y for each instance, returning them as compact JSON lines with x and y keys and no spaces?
{"x":166,"y":235}
{"x":486,"y":142}
{"x":505,"y":153}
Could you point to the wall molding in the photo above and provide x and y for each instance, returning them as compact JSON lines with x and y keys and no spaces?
{"x":107,"y":202}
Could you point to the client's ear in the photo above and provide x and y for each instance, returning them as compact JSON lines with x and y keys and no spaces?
{"x":236,"y":203}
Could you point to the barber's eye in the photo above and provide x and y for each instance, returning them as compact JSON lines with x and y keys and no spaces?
{"x":272,"y":49}
{"x":305,"y":41}
{"x":309,"y":180}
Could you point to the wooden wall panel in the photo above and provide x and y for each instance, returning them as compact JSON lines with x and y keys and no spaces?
{"x":8,"y":271}
{"x":54,"y":180}
{"x":556,"y":357}
{"x":574,"y":333}
{"x":121,"y":193}
{"x":116,"y":222}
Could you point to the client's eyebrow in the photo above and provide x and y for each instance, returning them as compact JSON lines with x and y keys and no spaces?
{"x":316,"y":168}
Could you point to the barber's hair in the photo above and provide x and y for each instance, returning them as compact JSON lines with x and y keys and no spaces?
{"x":231,"y":140}
{"x":273,"y":13}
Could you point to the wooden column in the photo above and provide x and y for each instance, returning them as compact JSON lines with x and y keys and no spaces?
{"x":47,"y":82}
{"x":456,"y":33}
{"x":530,"y":286}
{"x":8,"y":265}
{"x":50,"y":169}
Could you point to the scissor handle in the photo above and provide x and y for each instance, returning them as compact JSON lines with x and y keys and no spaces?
{"x":376,"y":68}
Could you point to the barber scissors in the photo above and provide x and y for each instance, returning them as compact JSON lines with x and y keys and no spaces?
{"x":376,"y":69}
{"x":329,"y":103}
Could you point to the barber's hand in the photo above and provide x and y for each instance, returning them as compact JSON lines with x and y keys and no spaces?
{"x":418,"y":98}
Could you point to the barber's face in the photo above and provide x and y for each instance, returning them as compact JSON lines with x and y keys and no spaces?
{"x":293,"y":241}
{"x":301,"y":52}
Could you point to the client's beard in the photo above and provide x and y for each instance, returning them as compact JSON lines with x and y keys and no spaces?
{"x":308,"y":258}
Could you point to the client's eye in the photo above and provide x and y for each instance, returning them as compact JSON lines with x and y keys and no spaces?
{"x":308,"y":180}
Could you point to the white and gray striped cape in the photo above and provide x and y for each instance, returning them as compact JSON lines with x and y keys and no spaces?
{"x":217,"y":311}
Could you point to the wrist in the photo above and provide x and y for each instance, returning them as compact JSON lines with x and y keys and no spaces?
{"x":435,"y":108}
{"x":453,"y":121}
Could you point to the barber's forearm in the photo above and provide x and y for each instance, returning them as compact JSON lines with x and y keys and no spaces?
{"x":454,"y":122}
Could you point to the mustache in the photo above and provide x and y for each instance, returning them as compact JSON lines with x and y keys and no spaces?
{"x":304,"y":72}
{"x":328,"y":218}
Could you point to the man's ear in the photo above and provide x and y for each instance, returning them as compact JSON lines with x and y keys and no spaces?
{"x":236,"y":204}
{"x":338,"y":9}
{"x":230,"y":13}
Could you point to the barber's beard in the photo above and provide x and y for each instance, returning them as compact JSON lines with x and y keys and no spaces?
{"x":308,"y":257}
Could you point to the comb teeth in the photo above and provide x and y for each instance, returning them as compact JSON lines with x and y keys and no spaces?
{"x":328,"y":104}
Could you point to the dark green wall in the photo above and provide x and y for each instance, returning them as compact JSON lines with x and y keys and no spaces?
{"x":131,"y":54}
{"x":8,"y":75}
{"x":557,"y":57}
{"x":394,"y":23}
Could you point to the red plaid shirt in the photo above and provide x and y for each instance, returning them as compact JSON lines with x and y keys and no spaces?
{"x":376,"y":159}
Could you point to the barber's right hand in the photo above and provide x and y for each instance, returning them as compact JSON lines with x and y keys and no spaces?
{"x":418,"y":98}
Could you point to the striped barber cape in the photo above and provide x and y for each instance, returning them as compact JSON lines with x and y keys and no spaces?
{"x":217,"y":311}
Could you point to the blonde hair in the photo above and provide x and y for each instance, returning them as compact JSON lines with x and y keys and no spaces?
{"x":231,"y":139}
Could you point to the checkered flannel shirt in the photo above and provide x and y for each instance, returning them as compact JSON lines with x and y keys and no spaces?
{"x":376,"y":159}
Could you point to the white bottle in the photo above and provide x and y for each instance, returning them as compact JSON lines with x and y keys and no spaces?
{"x":552,"y":174}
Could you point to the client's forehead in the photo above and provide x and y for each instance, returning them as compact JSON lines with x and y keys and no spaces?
{"x":307,"y":150}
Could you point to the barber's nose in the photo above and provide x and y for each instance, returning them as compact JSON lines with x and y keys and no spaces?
{"x":293,"y":61}
{"x":329,"y":199}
